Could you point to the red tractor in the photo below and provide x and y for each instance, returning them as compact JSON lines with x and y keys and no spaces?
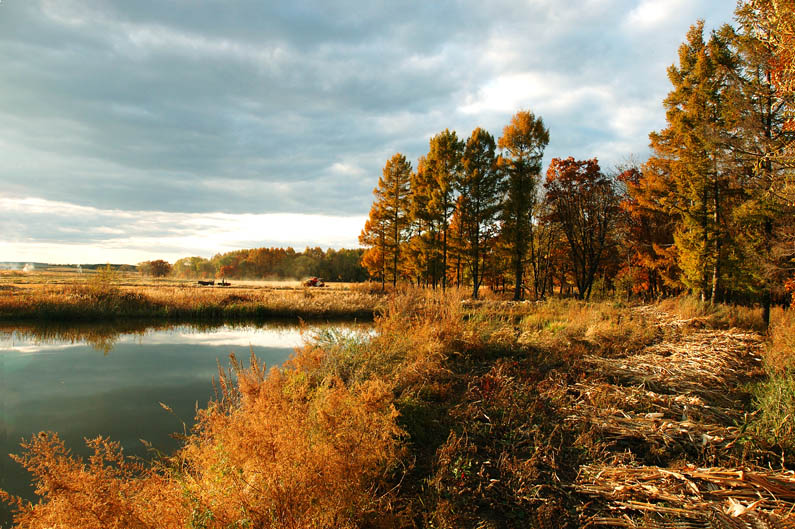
{"x":314,"y":282}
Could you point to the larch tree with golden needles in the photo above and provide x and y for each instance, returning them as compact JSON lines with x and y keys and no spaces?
{"x":374,"y":237}
{"x":424,"y":246}
{"x":690,"y":153}
{"x":392,"y":203}
{"x":648,"y":234}
{"x":523,"y":142}
{"x":760,"y":106}
{"x":444,"y":166}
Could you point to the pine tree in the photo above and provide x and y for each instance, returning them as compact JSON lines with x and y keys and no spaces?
{"x":523,"y":142}
{"x":481,"y":187}
{"x":689,"y":153}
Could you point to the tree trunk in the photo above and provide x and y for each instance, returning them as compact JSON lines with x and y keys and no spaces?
{"x":444,"y":261}
{"x":475,"y":275}
{"x":716,"y":220}
{"x":517,"y":292}
{"x":766,"y":291}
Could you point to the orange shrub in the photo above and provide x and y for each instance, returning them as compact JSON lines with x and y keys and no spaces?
{"x":281,"y":452}
{"x":107,"y":491}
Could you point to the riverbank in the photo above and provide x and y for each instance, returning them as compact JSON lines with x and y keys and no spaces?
{"x":453,"y":414}
{"x":75,"y":299}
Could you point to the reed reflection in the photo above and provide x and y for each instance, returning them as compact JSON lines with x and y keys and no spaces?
{"x":104,"y":337}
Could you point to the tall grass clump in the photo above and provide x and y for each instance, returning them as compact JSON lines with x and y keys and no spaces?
{"x":605,"y":327}
{"x":780,"y":353}
{"x":281,"y":450}
{"x":413,"y":334}
{"x":774,"y":420}
{"x":774,"y":397}
{"x":719,"y":315}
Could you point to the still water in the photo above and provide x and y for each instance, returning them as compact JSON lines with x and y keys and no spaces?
{"x":90,"y":381}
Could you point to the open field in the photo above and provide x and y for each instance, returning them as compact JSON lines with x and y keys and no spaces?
{"x":71,"y":295}
{"x":459,"y":414}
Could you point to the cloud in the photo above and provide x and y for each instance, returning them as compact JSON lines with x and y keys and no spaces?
{"x":652,"y":13}
{"x":249,"y":107}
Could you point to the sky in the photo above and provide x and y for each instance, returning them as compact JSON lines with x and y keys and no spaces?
{"x":160,"y":129}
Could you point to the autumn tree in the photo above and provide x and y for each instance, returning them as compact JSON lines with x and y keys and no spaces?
{"x":426,"y":217}
{"x":457,"y":244}
{"x":523,"y":142}
{"x":374,"y":235}
{"x":773,"y":23}
{"x":689,"y":153}
{"x":390,"y":214}
{"x":193,"y":267}
{"x":647,"y":235}
{"x":758,"y":132}
{"x":481,"y":186}
{"x":584,"y":202}
{"x":544,"y":239}
{"x":444,"y":166}
{"x":156,"y":268}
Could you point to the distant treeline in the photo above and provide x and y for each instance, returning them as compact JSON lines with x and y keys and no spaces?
{"x":266,"y":263}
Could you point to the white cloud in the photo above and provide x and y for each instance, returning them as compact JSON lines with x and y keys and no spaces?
{"x":507,"y":93}
{"x":544,"y":92}
{"x":134,"y":236}
{"x":653,"y":13}
{"x":346,"y":169}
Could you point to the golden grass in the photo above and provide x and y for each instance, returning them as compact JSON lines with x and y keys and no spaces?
{"x":780,"y":354}
{"x":719,"y":315}
{"x":61,"y":296}
{"x":605,"y":327}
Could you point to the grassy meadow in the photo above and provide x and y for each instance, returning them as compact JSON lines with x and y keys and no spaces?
{"x":60,"y":295}
{"x":456,"y":413}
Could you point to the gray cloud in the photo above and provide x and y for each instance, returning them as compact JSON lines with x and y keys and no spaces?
{"x":269,"y":107}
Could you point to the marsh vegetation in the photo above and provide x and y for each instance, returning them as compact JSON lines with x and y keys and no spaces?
{"x":460,"y":413}
{"x":66,"y":295}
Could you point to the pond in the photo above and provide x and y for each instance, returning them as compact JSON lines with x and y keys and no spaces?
{"x":99,"y":380}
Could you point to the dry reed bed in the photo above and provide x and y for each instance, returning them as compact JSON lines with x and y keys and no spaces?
{"x":87,"y":302}
{"x":682,"y":398}
{"x":707,"y":363}
{"x":610,"y":398}
{"x":726,"y":497}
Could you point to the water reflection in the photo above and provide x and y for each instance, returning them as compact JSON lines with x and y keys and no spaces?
{"x":52,"y":378}
{"x":104,"y":337}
